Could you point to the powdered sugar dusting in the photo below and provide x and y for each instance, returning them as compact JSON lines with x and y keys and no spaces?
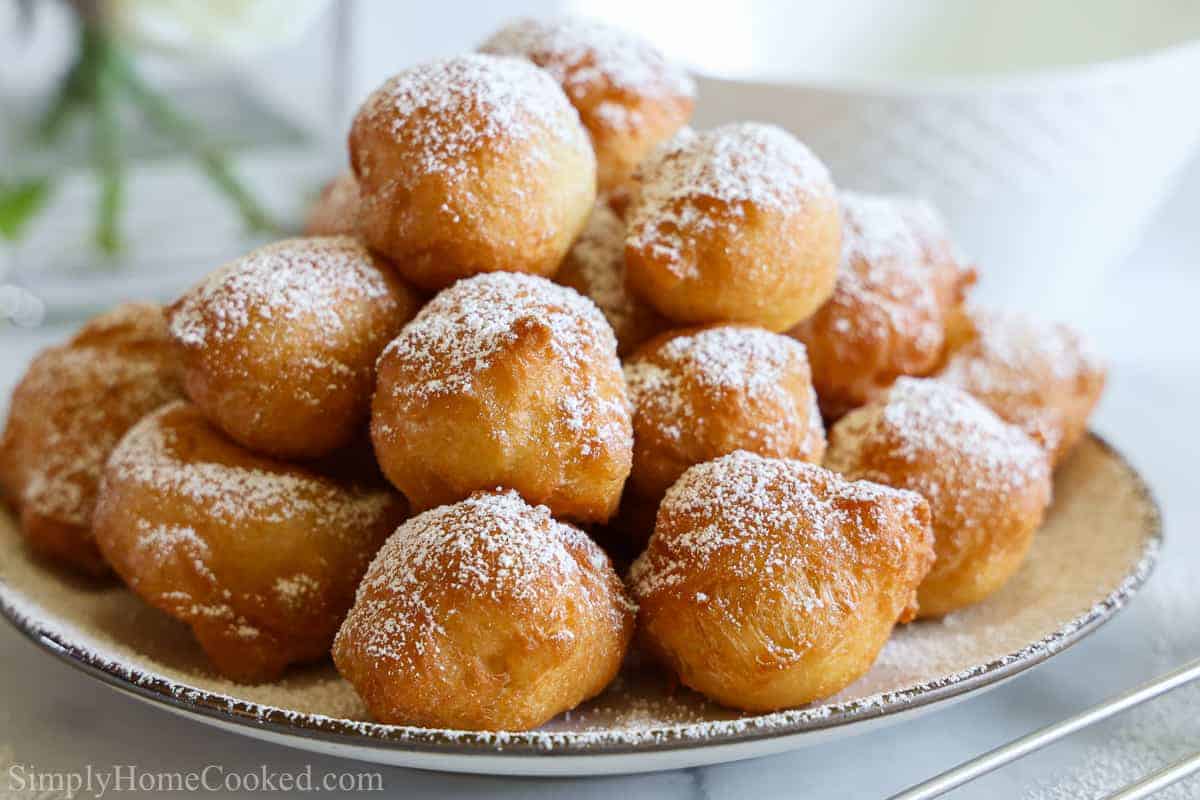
{"x":595,"y":267}
{"x":656,"y":389}
{"x":446,"y":110}
{"x":491,"y":547}
{"x":148,"y":455}
{"x":1013,"y":352}
{"x":461,"y":332}
{"x":898,"y":281}
{"x":726,"y":364}
{"x":296,"y":279}
{"x":162,"y":541}
{"x":61,"y":482}
{"x":889,"y":230}
{"x":1041,"y":376}
{"x":163,"y":544}
{"x":76,"y":400}
{"x":296,"y":590}
{"x":958,"y":441}
{"x":735,"y":165}
{"x":889,"y":260}
{"x":586,"y":56}
{"x":745,"y":359}
{"x":744,"y":494}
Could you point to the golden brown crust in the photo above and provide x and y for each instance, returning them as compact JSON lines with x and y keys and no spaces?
{"x":595,"y":267}
{"x":700,"y":393}
{"x":770,"y":583}
{"x":900,"y":279}
{"x":279,"y":347}
{"x":484,"y":615}
{"x":505,"y":380}
{"x":335,"y":212}
{"x":629,"y":97}
{"x":468,"y":165}
{"x":259,"y":557}
{"x":988,"y":484}
{"x":1042,"y":377}
{"x":73,"y":404}
{"x":736,"y":224}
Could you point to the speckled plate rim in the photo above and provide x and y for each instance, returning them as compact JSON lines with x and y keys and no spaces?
{"x":278,"y":723}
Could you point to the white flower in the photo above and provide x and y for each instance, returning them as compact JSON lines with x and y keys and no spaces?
{"x":214,"y":28}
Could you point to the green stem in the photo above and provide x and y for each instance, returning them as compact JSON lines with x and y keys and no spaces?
{"x":74,"y":90}
{"x":66,"y":98}
{"x":189,"y":135}
{"x":20,"y":202}
{"x":219,"y":172}
{"x":109,"y":163}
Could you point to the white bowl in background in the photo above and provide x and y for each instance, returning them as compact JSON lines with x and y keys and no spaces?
{"x":1046,"y":131}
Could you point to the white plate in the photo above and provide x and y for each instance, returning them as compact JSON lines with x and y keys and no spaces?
{"x":1097,"y":547}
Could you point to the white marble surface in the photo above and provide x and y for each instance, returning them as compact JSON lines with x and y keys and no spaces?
{"x":58,"y":719}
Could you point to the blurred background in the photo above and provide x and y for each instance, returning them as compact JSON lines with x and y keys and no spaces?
{"x":1048,"y":134}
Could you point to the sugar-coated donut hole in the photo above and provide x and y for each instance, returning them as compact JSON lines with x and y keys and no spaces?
{"x":485,"y":614}
{"x":471,"y":164}
{"x":70,"y":408}
{"x":505,"y":380}
{"x":259,"y":557}
{"x":899,"y":281}
{"x":988,"y":484}
{"x":1041,"y":376}
{"x":628,"y":95}
{"x":735,"y":224}
{"x":279,"y":346}
{"x":770,"y":583}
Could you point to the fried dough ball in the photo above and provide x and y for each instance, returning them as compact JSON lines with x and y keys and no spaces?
{"x":1042,"y":377}
{"x":595,"y":267}
{"x":700,"y":393}
{"x":73,"y":404}
{"x":261,"y":558}
{"x":335,"y":213}
{"x":900,"y":279}
{"x":471,"y":164}
{"x":628,"y":95}
{"x":988,"y":484}
{"x":505,"y":380}
{"x":279,"y":346}
{"x":736,"y":224}
{"x":487,"y":614}
{"x":770,"y":583}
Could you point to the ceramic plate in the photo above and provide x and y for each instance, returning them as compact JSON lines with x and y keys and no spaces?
{"x":1097,"y":547}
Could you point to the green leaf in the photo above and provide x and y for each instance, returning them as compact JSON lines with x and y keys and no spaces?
{"x":189,"y":136}
{"x":19,"y":203}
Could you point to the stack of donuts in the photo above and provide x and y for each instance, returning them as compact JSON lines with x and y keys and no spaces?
{"x":550,"y":377}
